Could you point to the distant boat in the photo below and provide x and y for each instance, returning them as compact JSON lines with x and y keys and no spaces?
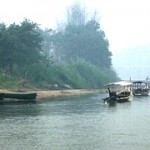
{"x":17,"y":95}
{"x":140,"y":88}
{"x":119,"y":91}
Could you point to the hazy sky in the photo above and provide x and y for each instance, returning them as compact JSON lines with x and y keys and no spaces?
{"x":126,"y":23}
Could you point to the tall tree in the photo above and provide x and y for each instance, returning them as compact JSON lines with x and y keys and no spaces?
{"x":76,"y":15}
{"x":20,"y":45}
{"x":30,"y":40}
{"x":82,"y":39}
{"x":87,"y":42}
{"x":2,"y":44}
{"x":47,"y":45}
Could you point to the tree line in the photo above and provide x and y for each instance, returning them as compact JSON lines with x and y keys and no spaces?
{"x":27,"y":51}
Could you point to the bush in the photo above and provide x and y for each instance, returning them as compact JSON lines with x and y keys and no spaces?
{"x":91,"y":74}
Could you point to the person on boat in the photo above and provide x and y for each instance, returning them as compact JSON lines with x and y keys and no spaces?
{"x":112,"y":94}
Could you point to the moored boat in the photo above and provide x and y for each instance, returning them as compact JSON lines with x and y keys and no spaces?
{"x":140,"y":88}
{"x":119,"y":91}
{"x":19,"y":96}
{"x":1,"y":96}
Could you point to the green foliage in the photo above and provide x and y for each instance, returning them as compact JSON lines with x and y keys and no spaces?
{"x":87,"y":42}
{"x":76,"y":15}
{"x":91,"y":74}
{"x":2,"y":76}
{"x":80,"y":52}
{"x":77,"y":75}
{"x":80,"y":74}
{"x":35,"y":72}
{"x":8,"y":82}
{"x":41,"y":76}
{"x":82,"y":39}
{"x":20,"y":45}
{"x":68,"y":75}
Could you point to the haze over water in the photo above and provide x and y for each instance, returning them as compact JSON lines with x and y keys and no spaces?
{"x":76,"y":123}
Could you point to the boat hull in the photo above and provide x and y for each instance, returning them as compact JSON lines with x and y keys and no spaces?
{"x":1,"y":96}
{"x":123,"y":99}
{"x":142,"y":92}
{"x":122,"y":96}
{"x":25,"y":96}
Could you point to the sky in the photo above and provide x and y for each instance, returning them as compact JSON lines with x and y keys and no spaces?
{"x":126,"y":24}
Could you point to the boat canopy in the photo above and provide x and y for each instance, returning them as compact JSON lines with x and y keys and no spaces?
{"x":120,"y":83}
{"x":139,"y":82}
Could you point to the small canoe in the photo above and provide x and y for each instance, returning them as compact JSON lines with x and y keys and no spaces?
{"x":1,"y":96}
{"x":20,"y":95}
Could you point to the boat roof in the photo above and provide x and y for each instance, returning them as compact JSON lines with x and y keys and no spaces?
{"x":120,"y":83}
{"x":140,"y":81}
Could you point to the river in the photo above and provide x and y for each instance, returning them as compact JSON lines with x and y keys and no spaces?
{"x":75,"y":123}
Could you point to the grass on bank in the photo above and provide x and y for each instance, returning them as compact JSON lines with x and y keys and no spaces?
{"x":79,"y":75}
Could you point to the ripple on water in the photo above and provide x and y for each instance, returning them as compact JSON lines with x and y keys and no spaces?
{"x":76,"y":123}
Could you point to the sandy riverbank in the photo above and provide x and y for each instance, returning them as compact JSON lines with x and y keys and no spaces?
{"x":43,"y":94}
{"x":61,"y":93}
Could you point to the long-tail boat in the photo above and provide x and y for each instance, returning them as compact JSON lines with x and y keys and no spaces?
{"x":140,"y":88}
{"x":119,"y":91}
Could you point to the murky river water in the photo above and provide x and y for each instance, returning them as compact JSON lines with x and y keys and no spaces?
{"x":76,"y":123}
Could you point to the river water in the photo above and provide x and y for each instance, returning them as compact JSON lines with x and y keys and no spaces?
{"x":75,"y":123}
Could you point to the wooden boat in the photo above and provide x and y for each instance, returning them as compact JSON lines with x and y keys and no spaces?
{"x":23,"y":96}
{"x":1,"y":96}
{"x":140,"y":88}
{"x":119,"y":91}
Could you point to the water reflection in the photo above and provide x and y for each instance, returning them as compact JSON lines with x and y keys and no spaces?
{"x":18,"y":109}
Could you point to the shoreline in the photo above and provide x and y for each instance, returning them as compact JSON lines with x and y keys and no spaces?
{"x":63,"y":93}
{"x":44,"y":94}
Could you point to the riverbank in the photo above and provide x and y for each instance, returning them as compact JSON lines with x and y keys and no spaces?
{"x":72,"y":92}
{"x":44,"y":94}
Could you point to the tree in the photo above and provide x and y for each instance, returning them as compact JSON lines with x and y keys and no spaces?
{"x":3,"y":45}
{"x":20,"y":45}
{"x":85,"y":41}
{"x":30,"y":40}
{"x":82,"y":39}
{"x":76,"y":15}
{"x":47,"y":45}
